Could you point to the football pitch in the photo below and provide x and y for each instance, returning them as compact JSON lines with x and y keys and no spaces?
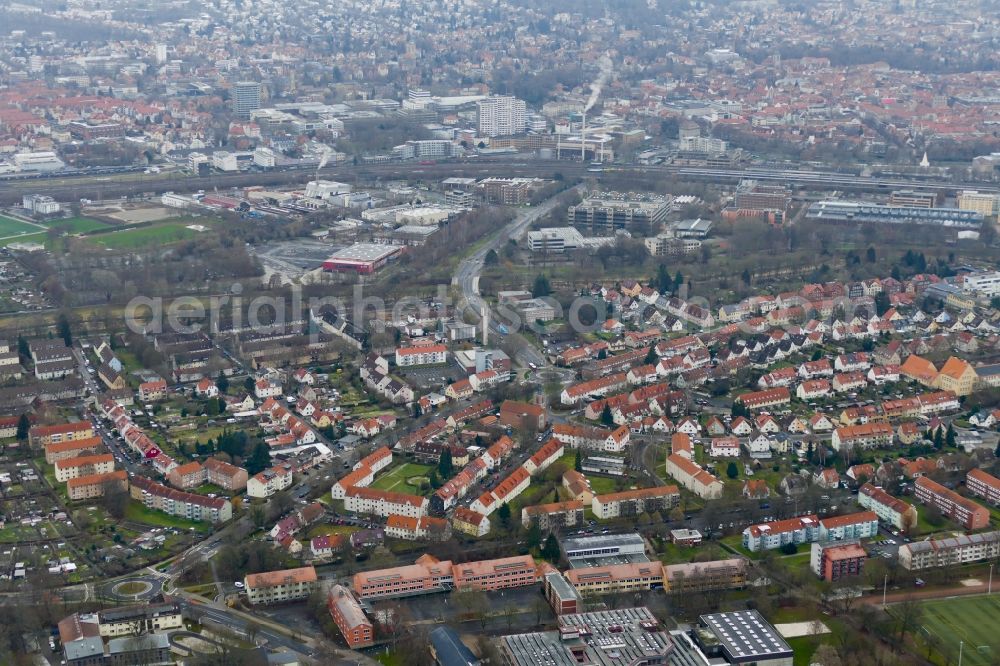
{"x":971,"y":622}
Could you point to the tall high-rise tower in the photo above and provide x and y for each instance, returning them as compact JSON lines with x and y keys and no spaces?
{"x":246,"y":98}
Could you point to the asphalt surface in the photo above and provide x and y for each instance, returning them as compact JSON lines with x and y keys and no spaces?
{"x":467,"y":275}
{"x":238,"y":625}
{"x":90,"y":185}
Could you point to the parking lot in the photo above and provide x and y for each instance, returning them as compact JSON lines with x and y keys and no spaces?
{"x":293,"y":259}
{"x":434,"y":377}
{"x":888,"y":548}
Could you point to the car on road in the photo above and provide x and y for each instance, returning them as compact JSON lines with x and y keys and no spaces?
{"x":238,"y":584}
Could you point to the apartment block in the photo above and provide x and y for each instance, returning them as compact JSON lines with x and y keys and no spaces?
{"x":224,"y":475}
{"x":272,"y":587}
{"x":635,"y":502}
{"x":148,"y":618}
{"x":470,"y":522}
{"x":503,"y":493}
{"x":266,"y":483}
{"x":72,"y":449}
{"x":863,"y":436}
{"x":551,"y":516}
{"x":768,"y":536}
{"x":95,"y":485}
{"x":950,"y":552}
{"x":421,"y":355}
{"x":376,"y":461}
{"x":41,"y":435}
{"x":413,"y":529}
{"x":488,"y":575}
{"x":965,"y":512}
{"x":984,"y":485}
{"x":890,"y":510}
{"x":691,"y":475}
{"x":589,"y":437}
{"x":189,"y":475}
{"x":764,"y":399}
{"x":71,"y":468}
{"x":834,"y":561}
{"x":383,"y":502}
{"x":357,"y":630}
{"x":984,"y":284}
{"x":360,"y":477}
{"x":179,"y":503}
{"x":860,"y":525}
{"x":501,"y":115}
{"x":544,"y":457}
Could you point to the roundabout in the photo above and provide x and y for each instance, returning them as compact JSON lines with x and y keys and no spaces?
{"x":132,"y":589}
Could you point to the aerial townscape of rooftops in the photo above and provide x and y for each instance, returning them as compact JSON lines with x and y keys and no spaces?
{"x":499,"y":333}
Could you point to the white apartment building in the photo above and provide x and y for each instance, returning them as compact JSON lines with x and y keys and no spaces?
{"x":596,"y":439}
{"x":422,"y":355}
{"x":890,"y":510}
{"x":360,"y":477}
{"x":72,"y":468}
{"x":272,"y":587}
{"x":377,"y":460}
{"x":268,"y":482}
{"x":501,"y":115}
{"x":768,"y":536}
{"x":693,"y":477}
{"x":860,"y":525}
{"x":127,"y":620}
{"x":384,"y":503}
{"x":635,"y":502}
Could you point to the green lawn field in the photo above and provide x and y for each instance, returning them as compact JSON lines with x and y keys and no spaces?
{"x":41,"y":237}
{"x":160,"y":234}
{"x":395,"y":479}
{"x":77,"y":225}
{"x":972,"y":621}
{"x":602,"y":485}
{"x":137,"y":513}
{"x":12,"y":227}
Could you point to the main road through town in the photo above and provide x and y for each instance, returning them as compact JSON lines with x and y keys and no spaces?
{"x":467,"y":275}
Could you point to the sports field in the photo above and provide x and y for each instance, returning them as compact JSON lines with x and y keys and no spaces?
{"x":395,"y":479}
{"x":12,"y":227}
{"x":972,"y":621}
{"x":160,"y":234}
{"x":77,"y":225}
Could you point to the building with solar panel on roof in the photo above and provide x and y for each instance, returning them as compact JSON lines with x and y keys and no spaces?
{"x":742,"y":637}
{"x":621,"y":637}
